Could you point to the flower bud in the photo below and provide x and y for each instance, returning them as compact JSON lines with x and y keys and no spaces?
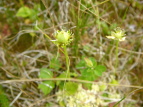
{"x":88,"y":62}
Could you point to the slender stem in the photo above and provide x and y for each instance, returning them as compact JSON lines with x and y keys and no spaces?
{"x":117,"y":61}
{"x":119,"y":101}
{"x":57,"y":52}
{"x":67,"y":65}
{"x":67,"y":61}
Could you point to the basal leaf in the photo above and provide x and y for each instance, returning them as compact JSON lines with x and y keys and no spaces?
{"x":45,"y":73}
{"x":24,"y":12}
{"x":46,"y":87}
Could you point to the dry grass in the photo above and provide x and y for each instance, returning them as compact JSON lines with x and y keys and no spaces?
{"x":22,"y":55}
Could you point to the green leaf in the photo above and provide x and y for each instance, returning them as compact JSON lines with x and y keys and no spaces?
{"x":81,"y":64}
{"x":45,"y":73}
{"x":105,"y":28}
{"x":99,"y":70}
{"x":54,"y":63}
{"x":71,"y":88}
{"x":27,"y":12}
{"x":46,"y":87}
{"x":88,"y":74}
{"x":93,"y":61}
{"x":24,"y":12}
{"x":33,"y":15}
{"x":63,"y":75}
{"x":87,"y":62}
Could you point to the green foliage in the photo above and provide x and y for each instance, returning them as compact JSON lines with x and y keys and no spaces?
{"x":24,"y":12}
{"x":46,"y":86}
{"x":98,"y":70}
{"x":106,"y":29}
{"x":27,"y":12}
{"x":71,"y":88}
{"x":90,"y":70}
{"x":81,"y":20}
{"x":3,"y":99}
{"x":62,"y":75}
{"x":55,"y":64}
{"x":90,"y":66}
{"x":45,"y":73}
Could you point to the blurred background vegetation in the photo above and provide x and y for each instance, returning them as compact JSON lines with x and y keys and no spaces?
{"x":24,"y":50}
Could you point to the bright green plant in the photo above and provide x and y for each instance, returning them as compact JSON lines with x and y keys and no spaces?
{"x":118,"y":35}
{"x":62,"y":40}
{"x":106,"y":29}
{"x":27,"y":12}
{"x":46,"y":86}
{"x":80,"y":17}
{"x":90,"y":70}
{"x":54,"y":64}
{"x":4,"y":102}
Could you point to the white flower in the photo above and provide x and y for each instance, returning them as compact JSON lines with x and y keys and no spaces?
{"x":117,"y":34}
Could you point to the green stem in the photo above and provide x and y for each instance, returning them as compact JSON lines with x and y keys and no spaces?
{"x":67,"y":61}
{"x":67,"y":65}
{"x":119,"y":101}
{"x":117,"y":61}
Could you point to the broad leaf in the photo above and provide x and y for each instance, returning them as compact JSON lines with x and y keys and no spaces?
{"x":24,"y":12}
{"x":46,"y":87}
{"x":71,"y":88}
{"x":99,"y":70}
{"x":45,"y":73}
{"x":63,"y":75}
{"x":88,"y":74}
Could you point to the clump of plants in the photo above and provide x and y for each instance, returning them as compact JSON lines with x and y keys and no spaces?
{"x":71,"y":93}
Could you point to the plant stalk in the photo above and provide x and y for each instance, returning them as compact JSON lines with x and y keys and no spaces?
{"x":67,"y":61}
{"x":117,"y":61}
